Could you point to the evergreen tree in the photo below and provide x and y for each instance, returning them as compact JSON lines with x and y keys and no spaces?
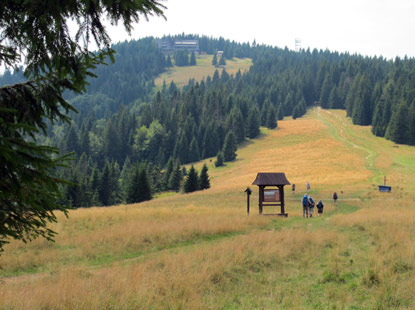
{"x":176,"y":178}
{"x":411,"y":123}
{"x":288,"y":105}
{"x":168,"y":62}
{"x":236,"y":123}
{"x":84,"y":141}
{"x":229,"y":147}
{"x":181,"y":149}
{"x":334,"y":99}
{"x":139,"y":188}
{"x":104,"y":187}
{"x":191,"y":183}
{"x":204,"y":178}
{"x":219,"y":159}
{"x":378,"y":127}
{"x":215,"y":60}
{"x":56,"y":61}
{"x":181,"y":58}
{"x":193,"y":59}
{"x":116,"y":195}
{"x":72,"y":192}
{"x":325,"y":92}
{"x":252,"y":124}
{"x":94,"y":185}
{"x":296,"y":112}
{"x":132,"y":186}
{"x":144,"y":189}
{"x":216,"y":78}
{"x":398,"y":129}
{"x":362,"y":108}
{"x":71,"y":141}
{"x":124,"y":178}
{"x":265,"y":112}
{"x":222,"y":61}
{"x":352,"y":95}
{"x":194,"y":154}
{"x":168,"y":172}
{"x":211,"y":143}
{"x":224,"y":77}
{"x":280,"y":112}
{"x":272,"y":118}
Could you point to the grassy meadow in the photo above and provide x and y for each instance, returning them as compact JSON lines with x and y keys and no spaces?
{"x":203,"y":69}
{"x":201,"y":250}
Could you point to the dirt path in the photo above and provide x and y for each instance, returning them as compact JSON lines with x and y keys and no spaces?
{"x":338,"y":125}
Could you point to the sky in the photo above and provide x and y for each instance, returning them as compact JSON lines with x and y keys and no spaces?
{"x":366,"y":27}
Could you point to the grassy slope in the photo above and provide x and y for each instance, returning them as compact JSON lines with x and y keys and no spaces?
{"x":200,"y":251}
{"x":204,"y":68}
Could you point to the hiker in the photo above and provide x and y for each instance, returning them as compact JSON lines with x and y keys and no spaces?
{"x":305,"y":205}
{"x":335,"y":198}
{"x":320,"y":207}
{"x":311,"y":204}
{"x":307,"y":185}
{"x":293,"y":188}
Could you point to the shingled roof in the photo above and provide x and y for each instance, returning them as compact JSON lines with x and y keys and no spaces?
{"x":271,"y":179}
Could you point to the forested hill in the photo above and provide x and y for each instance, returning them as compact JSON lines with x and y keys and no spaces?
{"x":123,"y":123}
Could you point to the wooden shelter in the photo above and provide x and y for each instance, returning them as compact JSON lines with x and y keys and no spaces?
{"x":272,"y":196}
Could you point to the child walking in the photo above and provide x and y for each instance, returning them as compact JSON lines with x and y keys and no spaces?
{"x":320,"y":207}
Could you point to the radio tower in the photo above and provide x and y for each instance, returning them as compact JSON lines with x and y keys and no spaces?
{"x":297,"y":44}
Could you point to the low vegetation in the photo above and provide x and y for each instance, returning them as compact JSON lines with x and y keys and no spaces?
{"x":203,"y":69}
{"x":201,"y":250}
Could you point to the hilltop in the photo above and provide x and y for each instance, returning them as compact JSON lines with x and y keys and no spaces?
{"x":201,"y":250}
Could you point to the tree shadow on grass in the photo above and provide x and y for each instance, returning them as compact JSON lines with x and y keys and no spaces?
{"x":248,"y":141}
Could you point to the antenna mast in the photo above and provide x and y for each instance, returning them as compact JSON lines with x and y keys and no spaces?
{"x":297,"y":44}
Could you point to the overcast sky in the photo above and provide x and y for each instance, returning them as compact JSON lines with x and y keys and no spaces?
{"x":367,"y":27}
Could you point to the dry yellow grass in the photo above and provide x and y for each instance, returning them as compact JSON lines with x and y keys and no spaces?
{"x":181,"y":251}
{"x":94,"y":234}
{"x":186,"y":280}
{"x":306,"y":152}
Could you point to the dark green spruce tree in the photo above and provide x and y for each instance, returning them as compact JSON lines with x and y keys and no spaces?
{"x":193,"y":59}
{"x":204,"y":178}
{"x":271,"y":121}
{"x":138,"y":188}
{"x":229,"y":147}
{"x":222,"y":61}
{"x":191,"y":183}
{"x":215,"y":60}
{"x":398,"y":129}
{"x":176,"y":178}
{"x":219,"y":159}
{"x":55,"y":61}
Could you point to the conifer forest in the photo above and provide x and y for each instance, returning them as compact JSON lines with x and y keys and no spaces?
{"x":130,"y":140}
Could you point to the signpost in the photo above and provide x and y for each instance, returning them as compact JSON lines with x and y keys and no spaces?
{"x":248,"y":192}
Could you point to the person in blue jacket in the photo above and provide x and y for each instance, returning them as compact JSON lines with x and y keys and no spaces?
{"x":304,"y":201}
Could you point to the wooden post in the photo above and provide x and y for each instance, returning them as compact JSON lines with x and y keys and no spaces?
{"x":248,"y":192}
{"x":261,"y":197}
{"x":281,"y":189}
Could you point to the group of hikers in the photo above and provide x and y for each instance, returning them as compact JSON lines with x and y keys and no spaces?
{"x":309,"y":204}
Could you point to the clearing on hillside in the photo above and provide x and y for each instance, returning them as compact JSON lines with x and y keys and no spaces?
{"x":203,"y":69}
{"x":201,"y":250}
